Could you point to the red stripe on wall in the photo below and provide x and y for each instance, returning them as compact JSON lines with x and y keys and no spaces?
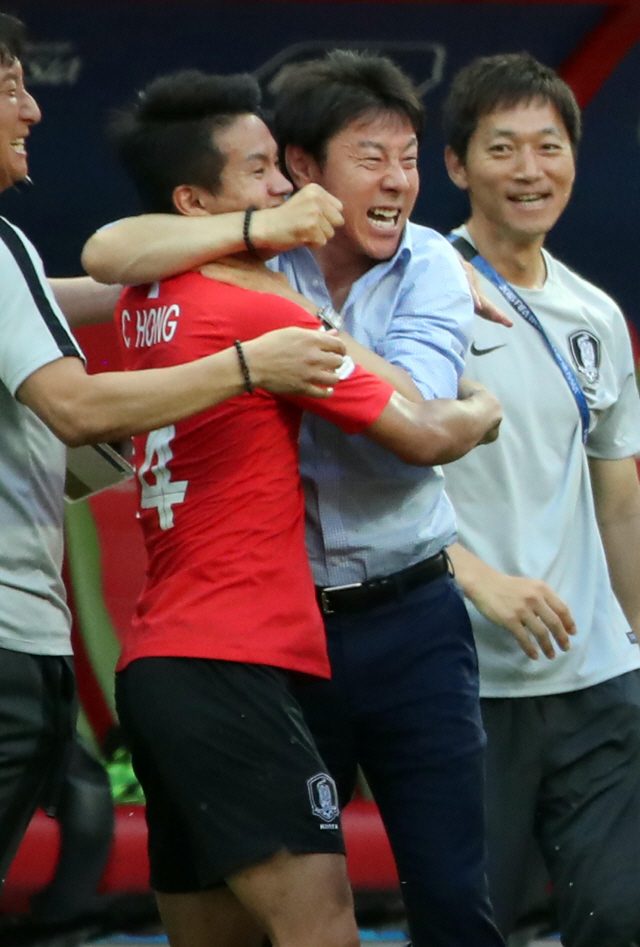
{"x":601,"y":50}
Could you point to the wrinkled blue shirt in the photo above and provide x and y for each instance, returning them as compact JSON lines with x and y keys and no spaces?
{"x":368,"y":513}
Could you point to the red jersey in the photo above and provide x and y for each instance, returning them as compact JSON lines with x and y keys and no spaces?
{"x":221,"y":503}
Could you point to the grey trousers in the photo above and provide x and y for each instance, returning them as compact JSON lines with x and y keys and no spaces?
{"x":563,"y":774}
{"x":37,"y":722}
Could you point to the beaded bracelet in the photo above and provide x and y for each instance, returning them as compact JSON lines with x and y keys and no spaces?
{"x":245,"y":230}
{"x":246,"y":374}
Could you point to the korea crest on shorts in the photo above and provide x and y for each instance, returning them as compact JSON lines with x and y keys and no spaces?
{"x":585,"y":348}
{"x":324,"y":797}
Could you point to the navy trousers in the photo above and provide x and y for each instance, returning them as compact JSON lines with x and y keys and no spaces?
{"x":403,"y":704}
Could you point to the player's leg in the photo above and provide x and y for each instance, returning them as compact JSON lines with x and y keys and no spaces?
{"x":421,"y":748}
{"x":589,"y":822}
{"x":37,"y":716}
{"x":302,"y":900}
{"x":232,"y":780}
{"x":208,"y":919}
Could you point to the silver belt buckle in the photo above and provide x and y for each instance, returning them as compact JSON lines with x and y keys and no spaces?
{"x":334,"y":588}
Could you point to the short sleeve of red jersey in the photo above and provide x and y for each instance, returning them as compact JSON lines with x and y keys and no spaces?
{"x":356,"y":402}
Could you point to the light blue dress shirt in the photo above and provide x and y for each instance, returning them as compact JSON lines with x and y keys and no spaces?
{"x":368,"y":513}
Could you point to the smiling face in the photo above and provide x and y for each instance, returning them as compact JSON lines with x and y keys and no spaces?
{"x":18,"y":111}
{"x":519,"y":171}
{"x":371,"y":166}
{"x":251,"y":175}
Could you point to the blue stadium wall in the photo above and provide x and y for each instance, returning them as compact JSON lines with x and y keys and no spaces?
{"x":87,"y":56}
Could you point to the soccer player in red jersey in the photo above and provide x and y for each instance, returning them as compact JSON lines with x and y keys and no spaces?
{"x":244,"y":830}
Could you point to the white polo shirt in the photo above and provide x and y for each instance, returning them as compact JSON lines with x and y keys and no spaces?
{"x":524,"y":504}
{"x":34,"y":617}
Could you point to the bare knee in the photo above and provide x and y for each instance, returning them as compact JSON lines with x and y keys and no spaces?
{"x":208,"y":919}
{"x":302,"y":900}
{"x":332,"y":924}
{"x":336,"y":931}
{"x":341,"y":931}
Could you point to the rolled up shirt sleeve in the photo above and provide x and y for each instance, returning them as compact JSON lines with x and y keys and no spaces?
{"x":430,"y":329}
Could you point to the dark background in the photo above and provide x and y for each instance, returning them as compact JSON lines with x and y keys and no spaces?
{"x":88,"y":56}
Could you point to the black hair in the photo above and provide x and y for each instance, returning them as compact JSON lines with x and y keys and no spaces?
{"x":504,"y":81}
{"x":316,"y":99}
{"x":12,"y":38}
{"x":165,"y":137}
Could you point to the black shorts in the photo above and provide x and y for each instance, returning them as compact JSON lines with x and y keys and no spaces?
{"x":229,"y":769}
{"x":37,"y":722}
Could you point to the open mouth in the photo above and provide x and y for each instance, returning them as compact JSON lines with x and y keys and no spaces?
{"x":530,"y":200}
{"x":18,"y":146}
{"x":384,"y":217}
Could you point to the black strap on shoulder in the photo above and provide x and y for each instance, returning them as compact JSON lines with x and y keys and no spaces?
{"x":466,"y":250}
{"x":21,"y":255}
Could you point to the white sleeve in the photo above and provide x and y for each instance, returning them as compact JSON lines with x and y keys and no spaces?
{"x":616,"y":433}
{"x":33,"y":330}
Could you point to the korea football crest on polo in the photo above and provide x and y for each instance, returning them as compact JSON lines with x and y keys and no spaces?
{"x":585,"y":351}
{"x":324,"y":800}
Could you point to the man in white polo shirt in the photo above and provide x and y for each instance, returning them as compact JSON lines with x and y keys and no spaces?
{"x":549,"y":518}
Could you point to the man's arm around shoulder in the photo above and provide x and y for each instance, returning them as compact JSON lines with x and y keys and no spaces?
{"x":81,"y":408}
{"x":429,"y":433}
{"x":156,"y":246}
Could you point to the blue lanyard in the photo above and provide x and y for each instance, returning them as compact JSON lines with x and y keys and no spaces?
{"x":469,"y":252}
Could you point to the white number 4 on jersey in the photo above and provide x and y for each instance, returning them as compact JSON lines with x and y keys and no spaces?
{"x":165,"y":492}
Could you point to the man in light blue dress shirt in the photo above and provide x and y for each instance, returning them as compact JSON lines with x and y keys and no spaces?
{"x":403,"y":702}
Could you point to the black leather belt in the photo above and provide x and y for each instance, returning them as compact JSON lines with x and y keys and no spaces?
{"x":343,"y":599}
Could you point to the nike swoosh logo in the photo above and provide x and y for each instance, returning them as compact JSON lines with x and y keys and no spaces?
{"x":477,"y":351}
